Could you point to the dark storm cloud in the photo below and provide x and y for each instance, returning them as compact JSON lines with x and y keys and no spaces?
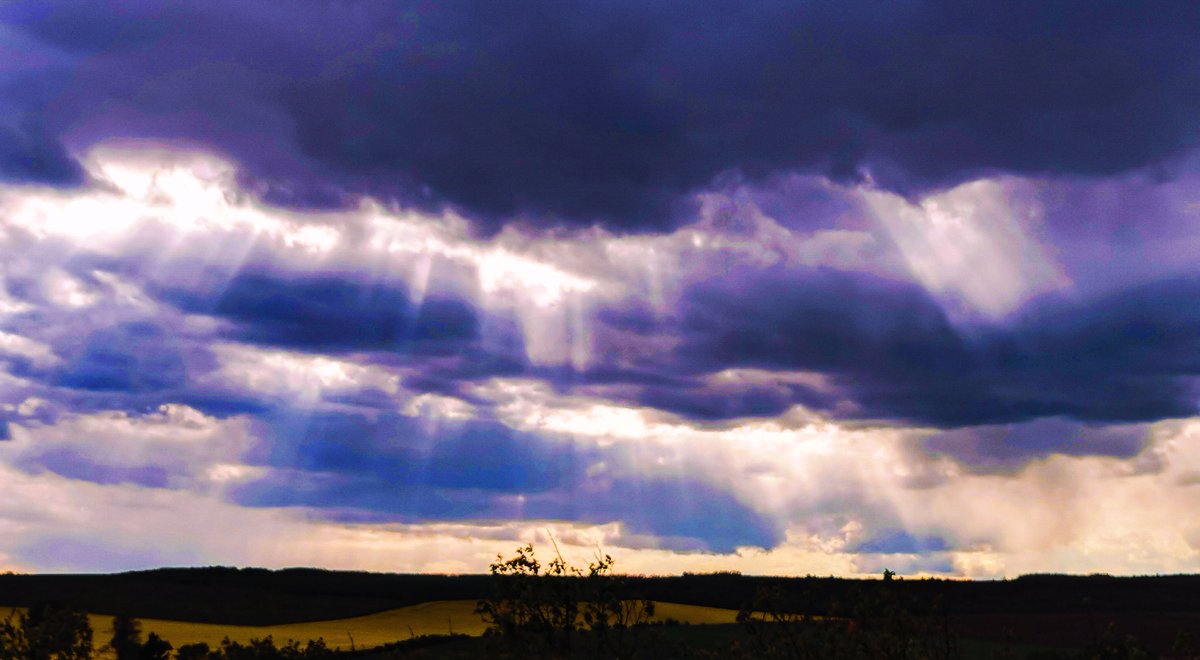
{"x":819,"y":319}
{"x":29,"y":155}
{"x":332,"y":313}
{"x":30,"y":151}
{"x":681,"y":513}
{"x":390,"y":467}
{"x":890,"y":351}
{"x":877,"y":338}
{"x":136,"y":359}
{"x":391,"y":454}
{"x":579,"y":111}
{"x":443,"y":338}
{"x":132,"y":357}
{"x":1000,"y":448}
{"x":133,"y":366}
{"x":708,"y":403}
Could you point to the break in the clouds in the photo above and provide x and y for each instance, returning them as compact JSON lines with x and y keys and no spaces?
{"x":770,"y":287}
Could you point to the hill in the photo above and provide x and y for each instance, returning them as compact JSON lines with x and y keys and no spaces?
{"x":260,"y":597}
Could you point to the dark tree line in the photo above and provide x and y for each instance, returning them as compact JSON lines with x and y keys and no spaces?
{"x":555,"y":610}
{"x":262,"y":597}
{"x":53,"y":631}
{"x":127,"y":644}
{"x":559,"y":611}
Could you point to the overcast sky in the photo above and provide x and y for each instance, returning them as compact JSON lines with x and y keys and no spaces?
{"x":777,"y":287}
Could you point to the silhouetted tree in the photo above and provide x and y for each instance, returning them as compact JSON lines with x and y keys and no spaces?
{"x":540,"y":613}
{"x":875,"y":624}
{"x":1186,"y":646}
{"x":197,"y":651}
{"x":155,"y":648}
{"x":618,"y":622}
{"x":313,"y":648}
{"x":264,"y":649}
{"x":126,"y":641}
{"x":48,"y":631}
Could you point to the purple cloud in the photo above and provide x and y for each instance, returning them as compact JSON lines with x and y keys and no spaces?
{"x":395,"y":468}
{"x":1000,"y":448}
{"x":701,"y":277}
{"x":575,"y":112}
{"x":894,"y":354}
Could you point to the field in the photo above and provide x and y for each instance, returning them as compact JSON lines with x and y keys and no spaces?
{"x":437,"y":617}
{"x":990,"y":619}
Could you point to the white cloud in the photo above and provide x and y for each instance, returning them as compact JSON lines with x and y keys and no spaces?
{"x":973,"y":246}
{"x":832,"y":486}
{"x":177,"y":217}
{"x":295,"y":376}
{"x":1061,"y":513}
{"x":180,"y":441}
{"x":41,"y":355}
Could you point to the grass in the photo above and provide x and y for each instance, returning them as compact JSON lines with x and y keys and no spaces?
{"x":432,"y":618}
{"x":710,"y":628}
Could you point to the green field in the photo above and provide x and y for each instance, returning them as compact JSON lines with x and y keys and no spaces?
{"x":437,"y":617}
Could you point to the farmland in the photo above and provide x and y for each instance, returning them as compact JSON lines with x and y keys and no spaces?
{"x":431,"y":618}
{"x":1007,"y":618}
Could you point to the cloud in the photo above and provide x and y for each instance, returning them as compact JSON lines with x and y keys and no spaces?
{"x":970,"y":246}
{"x":49,"y":522}
{"x":133,"y":357}
{"x":85,"y":554}
{"x":1007,"y":447}
{"x":397,"y":468}
{"x":393,"y":467}
{"x":910,"y":564}
{"x":734,"y":317}
{"x":890,"y":542}
{"x":790,"y":382}
{"x":397,"y":451}
{"x":576,"y":112}
{"x":172,"y":447}
{"x":68,"y":462}
{"x":332,"y":313}
{"x":289,"y":376}
{"x":818,"y":498}
{"x":711,"y":403}
{"x":701,"y":517}
{"x":892,"y":352}
{"x":434,"y":345}
{"x":29,"y":155}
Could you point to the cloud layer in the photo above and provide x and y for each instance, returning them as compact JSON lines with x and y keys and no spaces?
{"x":569,"y":113}
{"x":776,"y":288}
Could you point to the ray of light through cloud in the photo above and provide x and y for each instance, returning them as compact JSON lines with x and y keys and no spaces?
{"x":403,"y":304}
{"x":798,"y":485}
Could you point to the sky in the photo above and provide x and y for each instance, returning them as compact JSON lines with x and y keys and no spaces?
{"x":772,"y":287}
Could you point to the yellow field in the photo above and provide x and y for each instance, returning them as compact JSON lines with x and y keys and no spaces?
{"x":437,"y":617}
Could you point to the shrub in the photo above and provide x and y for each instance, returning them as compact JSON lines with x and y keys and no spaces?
{"x":48,"y":631}
{"x":541,"y":613}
